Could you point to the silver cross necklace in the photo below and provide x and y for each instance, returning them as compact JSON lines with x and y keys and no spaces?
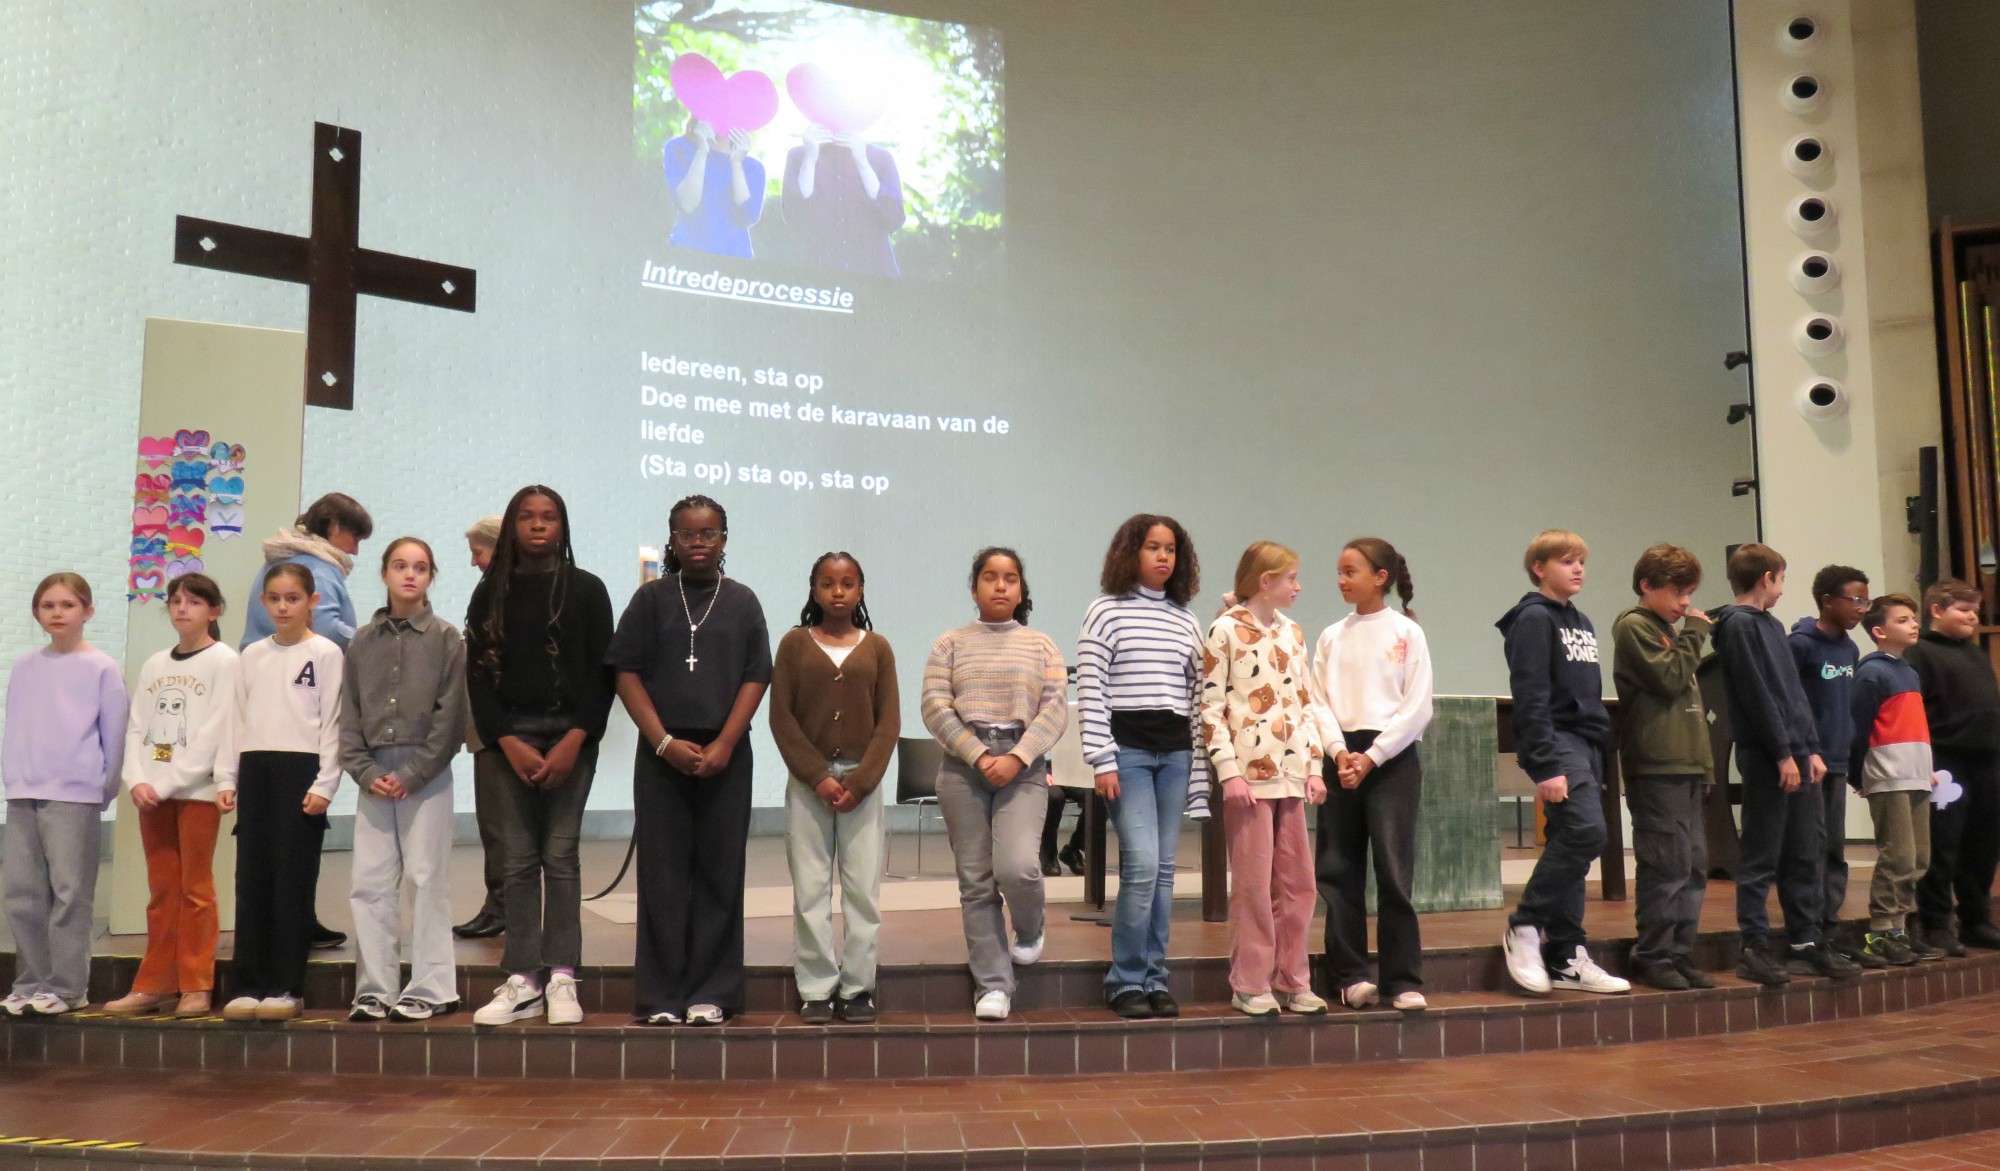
{"x":692,"y":624}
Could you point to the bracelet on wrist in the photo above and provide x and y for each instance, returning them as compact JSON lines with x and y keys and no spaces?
{"x":660,"y":750}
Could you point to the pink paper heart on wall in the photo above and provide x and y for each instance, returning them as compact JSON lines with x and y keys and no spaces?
{"x":742,"y":101}
{"x":147,"y":582}
{"x":156,"y":451}
{"x":146,"y":487}
{"x":182,"y":537}
{"x":843,"y":101}
{"x":149,"y":518}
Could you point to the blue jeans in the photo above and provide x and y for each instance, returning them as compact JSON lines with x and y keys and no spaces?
{"x":1152,"y":795}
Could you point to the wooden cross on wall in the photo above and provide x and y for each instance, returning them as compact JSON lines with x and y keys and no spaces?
{"x":330,"y":262}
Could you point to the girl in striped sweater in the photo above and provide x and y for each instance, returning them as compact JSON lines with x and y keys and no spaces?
{"x":1138,"y":678}
{"x":994,"y":697}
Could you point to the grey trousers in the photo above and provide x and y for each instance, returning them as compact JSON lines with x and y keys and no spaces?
{"x":50,"y":874}
{"x":540,"y":833}
{"x":819,"y":842}
{"x":996,"y":837}
{"x":1667,"y":840}
{"x":488,"y":802}
{"x":397,"y":842}
{"x":1903,"y":835}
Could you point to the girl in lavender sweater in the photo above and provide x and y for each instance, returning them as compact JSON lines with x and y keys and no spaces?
{"x":60,"y":760}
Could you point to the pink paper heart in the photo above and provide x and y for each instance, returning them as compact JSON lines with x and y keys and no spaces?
{"x":156,"y":451}
{"x":183,"y":537}
{"x":147,"y":583}
{"x":149,"y":518}
{"x":742,"y":101}
{"x":842,"y":101}
{"x":146,"y":487}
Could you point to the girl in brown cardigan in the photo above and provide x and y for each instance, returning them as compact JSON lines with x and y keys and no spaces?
{"x":835,"y":717}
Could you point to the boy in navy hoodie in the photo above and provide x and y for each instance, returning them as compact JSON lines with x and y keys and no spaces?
{"x":1826,"y":655}
{"x":1560,"y":732}
{"x":1777,"y":752}
{"x":1963,"y":703}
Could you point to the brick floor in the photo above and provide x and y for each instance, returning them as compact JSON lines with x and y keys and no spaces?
{"x":1979,"y":1151}
{"x":1773,"y":1095}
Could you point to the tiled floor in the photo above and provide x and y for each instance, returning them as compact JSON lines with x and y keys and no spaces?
{"x":1770,"y":1095}
{"x":1979,"y":1151}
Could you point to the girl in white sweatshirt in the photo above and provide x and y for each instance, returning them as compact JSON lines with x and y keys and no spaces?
{"x":288,"y":736}
{"x":183,"y":725}
{"x":1371,"y":688}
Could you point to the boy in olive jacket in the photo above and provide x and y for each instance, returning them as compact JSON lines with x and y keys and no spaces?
{"x":1663,"y":742}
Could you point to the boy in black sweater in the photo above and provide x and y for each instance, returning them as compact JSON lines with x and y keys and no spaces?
{"x":1962,"y":701}
{"x":1560,"y":731}
{"x":1777,"y":751}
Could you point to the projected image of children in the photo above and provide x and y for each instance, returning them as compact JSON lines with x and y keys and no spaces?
{"x":891,"y":129}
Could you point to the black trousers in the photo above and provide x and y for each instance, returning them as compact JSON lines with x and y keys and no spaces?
{"x":692,"y":832}
{"x":1833,"y":885}
{"x":1377,"y":817}
{"x":1672,"y":852}
{"x":1052,"y":820}
{"x":1784,"y":840}
{"x":277,"y":864}
{"x":1965,"y":844}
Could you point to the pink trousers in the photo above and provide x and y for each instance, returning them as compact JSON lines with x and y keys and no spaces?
{"x":1271,"y":896}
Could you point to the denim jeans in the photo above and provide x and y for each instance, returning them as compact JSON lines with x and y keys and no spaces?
{"x":1553,"y":899}
{"x":1152,"y":794}
{"x":994,"y":833}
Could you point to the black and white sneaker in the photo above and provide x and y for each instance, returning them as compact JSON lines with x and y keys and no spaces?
{"x":410,"y":1009}
{"x":367,"y":1008}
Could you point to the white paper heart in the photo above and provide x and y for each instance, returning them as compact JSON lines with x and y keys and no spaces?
{"x":1944,"y":790}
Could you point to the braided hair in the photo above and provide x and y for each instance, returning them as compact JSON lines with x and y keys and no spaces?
{"x":814,"y":613}
{"x":686,"y":504}
{"x":487,"y":636}
{"x":1381,"y":556}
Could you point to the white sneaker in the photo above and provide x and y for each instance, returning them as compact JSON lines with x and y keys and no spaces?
{"x":49,"y":1004}
{"x":278,"y":1008}
{"x":704,"y":1015}
{"x":1305,"y":1003}
{"x":1584,"y":975}
{"x":1410,"y":1000}
{"x":561,"y":1000}
{"x":1360,"y":996}
{"x":243,"y":1008}
{"x":1262,"y":1004}
{"x":15,"y":1004}
{"x":993,"y":1005}
{"x":516,"y":1000}
{"x":1525,"y":967}
{"x":1026,"y":951}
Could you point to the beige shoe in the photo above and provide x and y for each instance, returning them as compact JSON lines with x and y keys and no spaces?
{"x":193,"y":1004}
{"x":137,"y":1004}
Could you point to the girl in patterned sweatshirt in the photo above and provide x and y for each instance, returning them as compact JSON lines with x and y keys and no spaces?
{"x":1265,"y":747}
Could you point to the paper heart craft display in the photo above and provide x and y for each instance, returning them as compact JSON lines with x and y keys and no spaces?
{"x":226,"y":488}
{"x":149,"y":520}
{"x":747,"y":100}
{"x":845,"y":100}
{"x":143,"y":547}
{"x":154,"y":452}
{"x":187,"y":508}
{"x":190,"y":473}
{"x":185,"y":539}
{"x":225,"y":520}
{"x":147,"y":488}
{"x":182,"y":566}
{"x":191,"y":443}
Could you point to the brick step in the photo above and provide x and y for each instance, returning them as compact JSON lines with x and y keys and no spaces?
{"x":930,"y":988}
{"x":1767,"y":1096}
{"x":1042,"y":1042}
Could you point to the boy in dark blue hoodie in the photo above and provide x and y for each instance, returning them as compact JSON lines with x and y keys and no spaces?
{"x":1826,"y":655}
{"x":1777,"y":752}
{"x":1560,"y":732}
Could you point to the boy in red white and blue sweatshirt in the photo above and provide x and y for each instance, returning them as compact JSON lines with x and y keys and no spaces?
{"x":1891,"y":759}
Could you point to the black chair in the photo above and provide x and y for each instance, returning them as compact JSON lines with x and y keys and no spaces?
{"x":917,"y":762}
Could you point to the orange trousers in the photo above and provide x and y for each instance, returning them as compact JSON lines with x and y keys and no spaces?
{"x":181,"y":921}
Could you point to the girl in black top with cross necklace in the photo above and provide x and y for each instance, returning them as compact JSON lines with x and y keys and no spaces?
{"x":693,"y":658}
